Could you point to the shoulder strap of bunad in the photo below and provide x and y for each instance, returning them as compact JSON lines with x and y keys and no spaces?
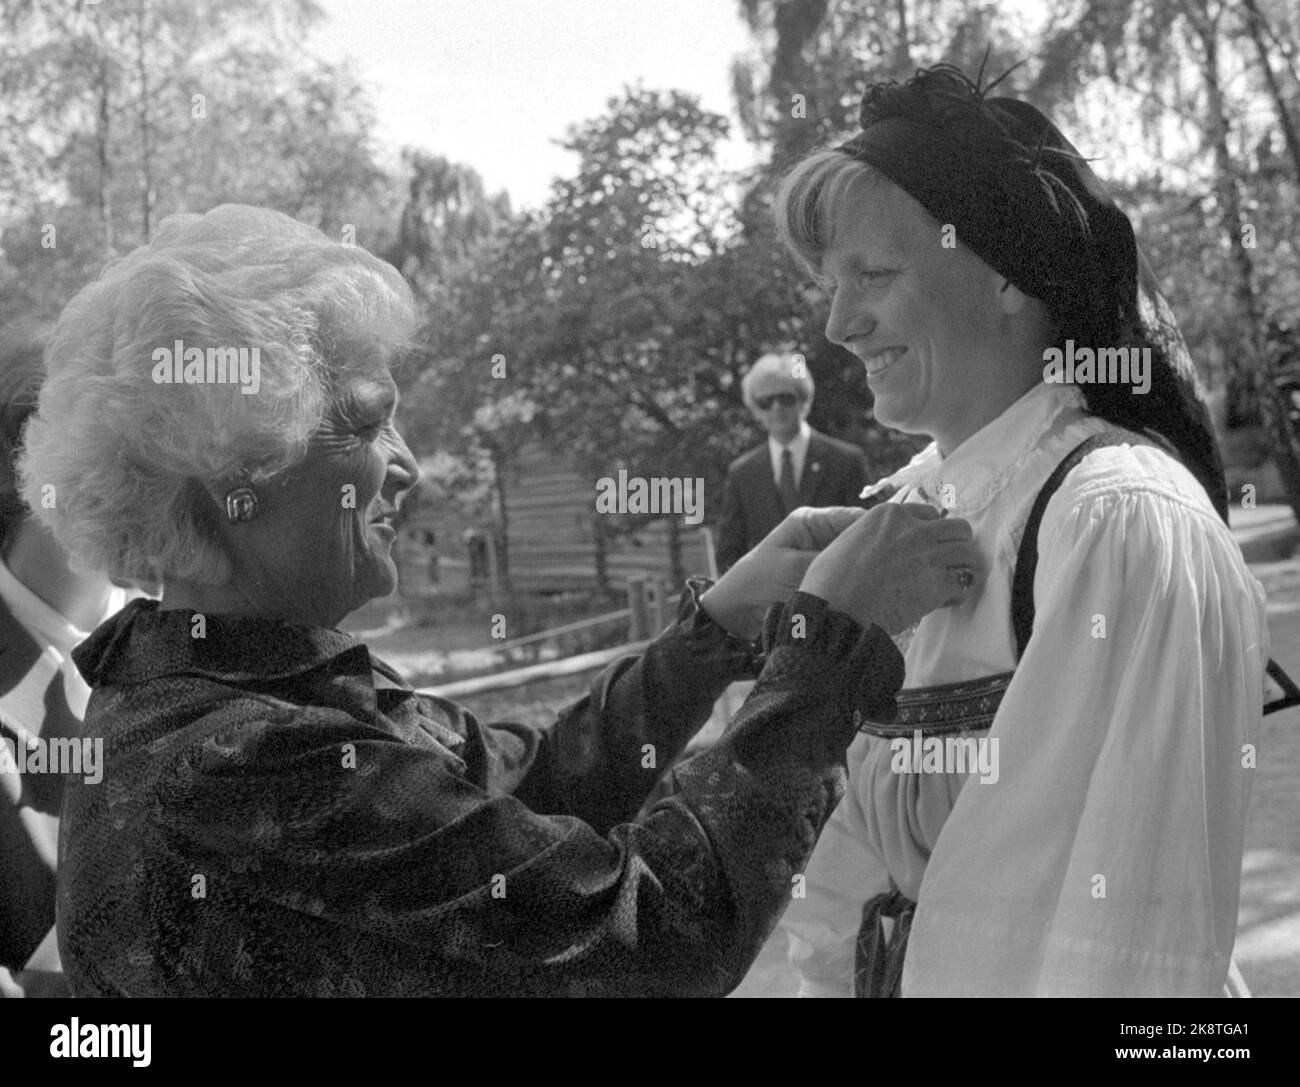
{"x":1280,"y":691}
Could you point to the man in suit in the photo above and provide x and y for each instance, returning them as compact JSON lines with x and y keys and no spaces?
{"x":796,"y":466}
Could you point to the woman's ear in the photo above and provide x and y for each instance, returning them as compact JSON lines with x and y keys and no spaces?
{"x":233,"y":499}
{"x":206,"y":527}
{"x":211,"y":494}
{"x":1011,"y":298}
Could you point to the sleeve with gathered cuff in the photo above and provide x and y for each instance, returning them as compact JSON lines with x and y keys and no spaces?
{"x":411,"y":875}
{"x":603,"y":754}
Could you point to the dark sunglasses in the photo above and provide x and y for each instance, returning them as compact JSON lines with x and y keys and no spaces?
{"x":786,"y":400}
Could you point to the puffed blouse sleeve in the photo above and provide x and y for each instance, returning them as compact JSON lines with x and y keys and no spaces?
{"x":1106,"y":857}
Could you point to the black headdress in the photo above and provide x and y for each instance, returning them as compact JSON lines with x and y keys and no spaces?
{"x":1023,"y":199}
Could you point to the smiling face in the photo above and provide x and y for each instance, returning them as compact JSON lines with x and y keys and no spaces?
{"x":942,"y":343}
{"x":321,"y":543}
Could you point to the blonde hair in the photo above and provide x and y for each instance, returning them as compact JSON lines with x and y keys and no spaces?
{"x":809,"y":196}
{"x":112,"y":457}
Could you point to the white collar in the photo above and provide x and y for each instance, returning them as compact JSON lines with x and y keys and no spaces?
{"x":798,"y":444}
{"x":36,"y":616}
{"x":986,"y":461}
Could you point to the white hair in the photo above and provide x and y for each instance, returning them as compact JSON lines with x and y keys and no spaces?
{"x":790,"y":367}
{"x":113,"y":459}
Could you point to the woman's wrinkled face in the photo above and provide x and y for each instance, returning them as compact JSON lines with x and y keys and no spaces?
{"x":322,"y":542}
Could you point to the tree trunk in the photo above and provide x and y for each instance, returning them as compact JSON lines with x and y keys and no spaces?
{"x":602,"y":554}
{"x":1252,"y":342}
{"x":675,"y":552}
{"x":147,"y":195}
{"x":503,"y":517}
{"x":1254,"y":24}
{"x":105,"y":165}
{"x":904,"y":39}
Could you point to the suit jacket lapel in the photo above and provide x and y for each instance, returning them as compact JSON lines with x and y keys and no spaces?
{"x":763,"y":487}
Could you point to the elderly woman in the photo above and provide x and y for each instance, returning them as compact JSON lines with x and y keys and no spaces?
{"x":279,"y":813}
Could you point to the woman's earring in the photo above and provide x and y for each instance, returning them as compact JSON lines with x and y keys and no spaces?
{"x":241,"y":500}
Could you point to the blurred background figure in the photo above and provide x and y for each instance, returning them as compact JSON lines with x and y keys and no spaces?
{"x":796,"y":466}
{"x":45,"y":609}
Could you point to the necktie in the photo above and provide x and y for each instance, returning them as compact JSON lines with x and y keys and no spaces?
{"x":785,"y":488}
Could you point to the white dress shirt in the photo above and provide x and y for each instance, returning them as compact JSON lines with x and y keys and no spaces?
{"x":798,"y":453}
{"x":56,"y":636}
{"x":1106,"y":857}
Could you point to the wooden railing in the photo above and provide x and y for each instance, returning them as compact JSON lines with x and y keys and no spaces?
{"x":533,"y":673}
{"x":510,"y":650}
{"x":649,"y":610}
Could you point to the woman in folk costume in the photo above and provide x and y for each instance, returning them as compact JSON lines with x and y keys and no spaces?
{"x":1096,"y":848}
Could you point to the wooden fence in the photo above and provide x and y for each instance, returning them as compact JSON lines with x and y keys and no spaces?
{"x":651,"y":607}
{"x":552,"y":532}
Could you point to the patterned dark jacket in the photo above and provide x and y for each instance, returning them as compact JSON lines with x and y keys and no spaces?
{"x":280,"y":815}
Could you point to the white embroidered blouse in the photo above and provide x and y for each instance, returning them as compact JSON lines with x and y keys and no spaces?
{"x":1105,"y":859}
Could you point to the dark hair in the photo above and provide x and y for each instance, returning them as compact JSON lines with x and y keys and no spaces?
{"x":1029,"y":205}
{"x":21,"y":373}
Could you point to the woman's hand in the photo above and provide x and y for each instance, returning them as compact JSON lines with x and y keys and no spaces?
{"x":774,"y":570}
{"x":895,"y":564}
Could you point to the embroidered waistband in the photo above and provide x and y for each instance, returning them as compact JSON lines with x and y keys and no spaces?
{"x":967,"y":706}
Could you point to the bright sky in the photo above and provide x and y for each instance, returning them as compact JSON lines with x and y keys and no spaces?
{"x":492,"y":82}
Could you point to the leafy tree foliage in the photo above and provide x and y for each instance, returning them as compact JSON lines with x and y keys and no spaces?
{"x":115,"y":115}
{"x":615,"y":323}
